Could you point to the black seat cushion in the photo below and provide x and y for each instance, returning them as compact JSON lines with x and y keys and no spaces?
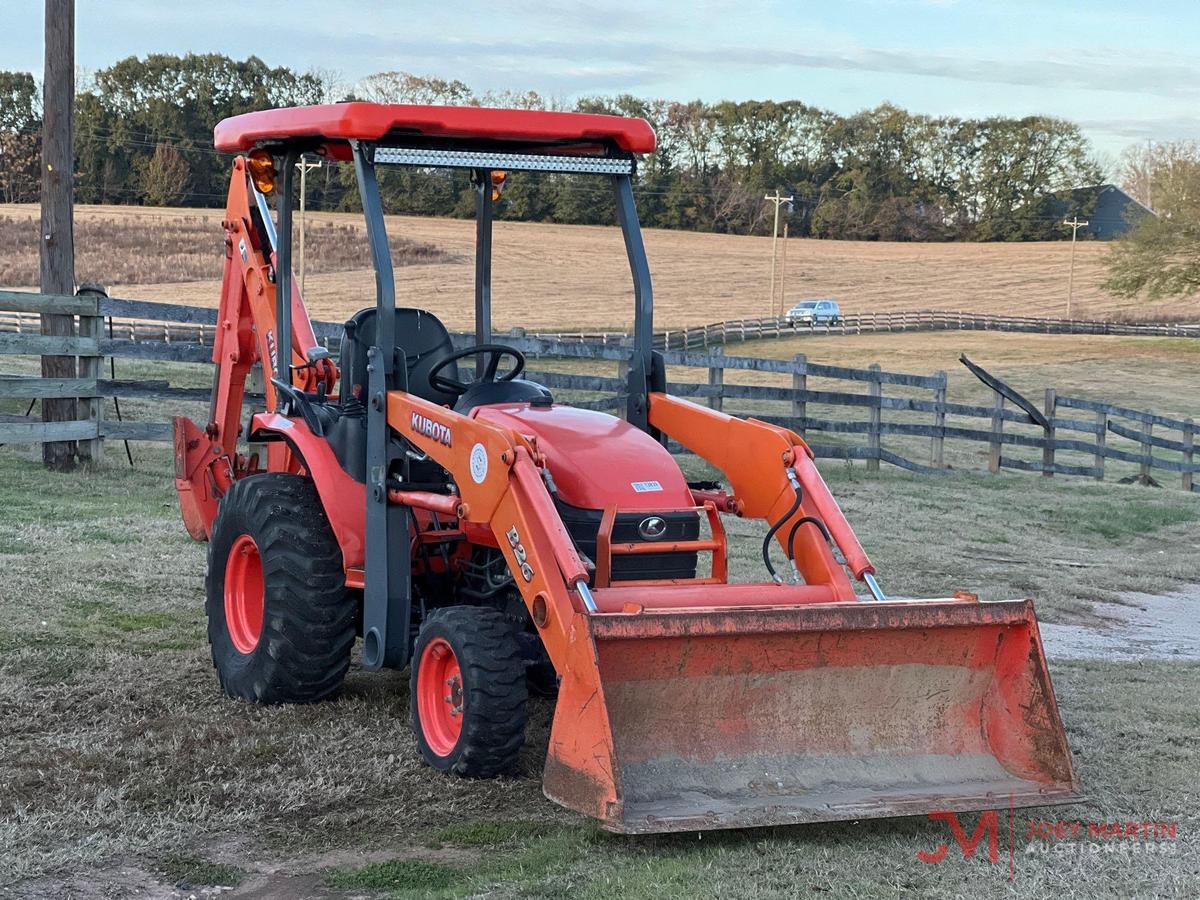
{"x":419,"y":334}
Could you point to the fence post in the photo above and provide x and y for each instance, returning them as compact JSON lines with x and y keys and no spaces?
{"x":1101,"y":437}
{"x":716,"y":378}
{"x":92,"y":408}
{"x":994,"y":446}
{"x":1189,"y":442}
{"x":1048,"y":450}
{"x":876,"y":391}
{"x":1144,"y":471}
{"x":799,"y":385}
{"x":937,"y":444}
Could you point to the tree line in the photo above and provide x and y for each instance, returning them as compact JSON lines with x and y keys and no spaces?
{"x":143,"y":135}
{"x":1160,"y":257}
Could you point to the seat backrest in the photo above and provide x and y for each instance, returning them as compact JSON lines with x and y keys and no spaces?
{"x":421,"y":336}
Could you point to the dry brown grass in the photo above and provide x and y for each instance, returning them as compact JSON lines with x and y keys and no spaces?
{"x":121,"y":763}
{"x":130,"y":249}
{"x":570,"y":276}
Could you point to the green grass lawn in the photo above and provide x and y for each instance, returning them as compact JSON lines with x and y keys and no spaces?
{"x":119,"y":753}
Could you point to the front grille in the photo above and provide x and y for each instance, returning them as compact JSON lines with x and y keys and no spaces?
{"x":584,"y":524}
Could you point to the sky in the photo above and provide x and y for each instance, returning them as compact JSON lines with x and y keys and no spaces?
{"x":1126,"y":72}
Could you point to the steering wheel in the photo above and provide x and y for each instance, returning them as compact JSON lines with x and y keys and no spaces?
{"x":494,"y":353}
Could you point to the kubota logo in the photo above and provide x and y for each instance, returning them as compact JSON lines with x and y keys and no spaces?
{"x":653,"y":528}
{"x":435,"y":431}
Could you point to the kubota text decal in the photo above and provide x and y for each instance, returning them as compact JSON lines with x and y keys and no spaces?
{"x":273,"y":351}
{"x":435,"y":431}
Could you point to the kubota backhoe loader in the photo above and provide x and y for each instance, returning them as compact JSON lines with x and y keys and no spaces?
{"x":478,"y":531}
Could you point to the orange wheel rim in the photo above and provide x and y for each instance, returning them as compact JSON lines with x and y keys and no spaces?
{"x":244,"y":594}
{"x":440,"y":697}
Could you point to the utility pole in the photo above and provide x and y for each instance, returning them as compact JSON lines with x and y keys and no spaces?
{"x":778,"y":200}
{"x":783,"y":272}
{"x":1074,"y":224}
{"x":57,"y":256}
{"x":304,"y":165}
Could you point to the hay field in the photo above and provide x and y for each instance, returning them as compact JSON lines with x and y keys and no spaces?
{"x":551,"y":276}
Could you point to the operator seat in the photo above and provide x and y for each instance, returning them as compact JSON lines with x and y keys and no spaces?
{"x":421,"y":336}
{"x":424,"y":341}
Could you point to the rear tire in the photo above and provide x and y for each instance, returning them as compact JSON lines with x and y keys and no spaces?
{"x":468,"y":692}
{"x":280,"y":618}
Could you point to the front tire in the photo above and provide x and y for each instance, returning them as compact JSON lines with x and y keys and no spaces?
{"x":280,"y":618}
{"x":468,"y":692}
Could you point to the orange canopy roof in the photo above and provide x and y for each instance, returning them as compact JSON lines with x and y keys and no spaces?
{"x":339,"y":122}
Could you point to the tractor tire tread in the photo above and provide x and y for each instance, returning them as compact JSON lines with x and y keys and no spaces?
{"x":308,"y":632}
{"x":496,"y":694}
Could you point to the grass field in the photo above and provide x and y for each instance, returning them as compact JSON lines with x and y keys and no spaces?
{"x":575,"y":277}
{"x":123,"y":769}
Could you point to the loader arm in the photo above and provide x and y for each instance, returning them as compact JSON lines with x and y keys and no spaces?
{"x":756,"y":458}
{"x":501,"y":486}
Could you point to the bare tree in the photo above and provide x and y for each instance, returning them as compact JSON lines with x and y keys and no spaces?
{"x":405,"y":87}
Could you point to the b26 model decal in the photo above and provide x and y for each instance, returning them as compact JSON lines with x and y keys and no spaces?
{"x":514,"y":541}
{"x":435,"y":431}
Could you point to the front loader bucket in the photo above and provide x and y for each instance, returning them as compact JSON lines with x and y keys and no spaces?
{"x":734,"y":717}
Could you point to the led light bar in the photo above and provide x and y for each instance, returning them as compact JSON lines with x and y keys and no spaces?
{"x":508,"y":162}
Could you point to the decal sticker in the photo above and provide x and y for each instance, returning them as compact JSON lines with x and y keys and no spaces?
{"x":242,"y":250}
{"x":645,"y":487}
{"x":479,"y":464}
{"x":514,"y":541}
{"x":273,"y":351}
{"x":435,"y":431}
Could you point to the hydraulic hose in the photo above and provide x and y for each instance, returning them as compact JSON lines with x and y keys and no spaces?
{"x":812,"y":520}
{"x":766,"y":545}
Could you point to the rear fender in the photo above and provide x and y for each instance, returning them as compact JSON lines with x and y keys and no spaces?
{"x":343,"y":498}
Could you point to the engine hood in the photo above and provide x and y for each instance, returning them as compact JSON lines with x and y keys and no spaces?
{"x":597,"y":460}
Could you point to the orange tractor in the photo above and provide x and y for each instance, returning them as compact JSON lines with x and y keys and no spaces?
{"x":460,"y":521}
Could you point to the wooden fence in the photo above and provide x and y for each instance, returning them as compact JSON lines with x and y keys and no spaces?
{"x":128,"y":323}
{"x":910,"y":412}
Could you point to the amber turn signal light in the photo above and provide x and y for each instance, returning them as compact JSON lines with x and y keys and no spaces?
{"x":499,"y":179}
{"x":262,"y":169}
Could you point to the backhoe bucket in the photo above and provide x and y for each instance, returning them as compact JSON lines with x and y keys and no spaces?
{"x":734,"y":717}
